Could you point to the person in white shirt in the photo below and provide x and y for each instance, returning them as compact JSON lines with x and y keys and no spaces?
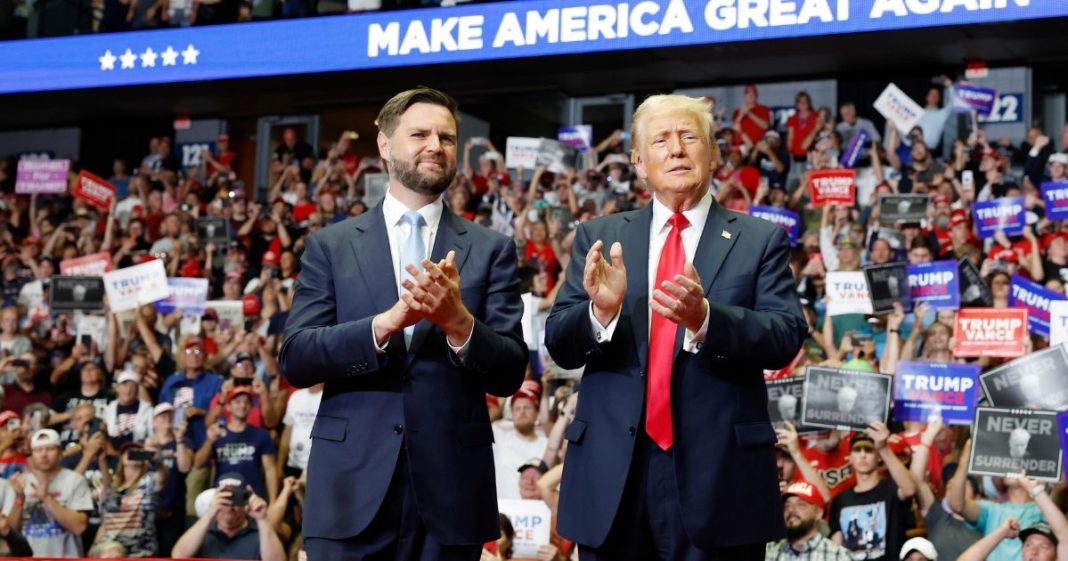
{"x":295,"y":444}
{"x":512,"y":448}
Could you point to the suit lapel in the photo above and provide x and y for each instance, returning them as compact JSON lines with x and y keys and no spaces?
{"x":635,"y":241}
{"x":451,"y":236}
{"x":371,"y":246}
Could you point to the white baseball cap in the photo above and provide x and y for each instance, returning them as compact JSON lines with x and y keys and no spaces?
{"x":923,"y":545}
{"x":44,"y":437}
{"x":128,"y":376}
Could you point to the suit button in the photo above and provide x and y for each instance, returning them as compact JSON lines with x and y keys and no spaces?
{"x":631,"y":430}
{"x":398,"y":429}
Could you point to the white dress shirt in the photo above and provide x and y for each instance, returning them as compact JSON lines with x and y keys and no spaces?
{"x":658,"y":233}
{"x":398,"y":230}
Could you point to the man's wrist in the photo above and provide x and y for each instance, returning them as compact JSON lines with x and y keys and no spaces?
{"x":604,"y":317}
{"x":460,"y":329}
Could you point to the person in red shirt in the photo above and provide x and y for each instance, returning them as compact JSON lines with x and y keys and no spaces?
{"x":538,"y":253}
{"x":302,"y":208}
{"x":223,"y":159}
{"x":828,"y":453}
{"x":750,"y":120}
{"x":802,"y":127}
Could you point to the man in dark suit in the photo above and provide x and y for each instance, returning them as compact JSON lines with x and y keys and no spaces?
{"x":671,"y":455}
{"x":401,"y":464}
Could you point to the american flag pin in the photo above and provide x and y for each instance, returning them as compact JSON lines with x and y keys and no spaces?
{"x":726,"y":235}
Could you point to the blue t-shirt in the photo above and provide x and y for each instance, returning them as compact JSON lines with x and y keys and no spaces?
{"x":992,"y":514}
{"x":180,"y":391}
{"x":172,"y":497}
{"x":243,"y":452}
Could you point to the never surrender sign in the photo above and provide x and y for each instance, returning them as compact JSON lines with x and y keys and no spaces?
{"x":832,"y":186}
{"x":996,"y":332}
{"x":1007,"y":214}
{"x":785,"y":399}
{"x":844,"y":399}
{"x":1055,"y":196}
{"x":925,"y":388}
{"x":788,"y":219}
{"x":888,"y":284}
{"x":1005,"y":441}
{"x":937,"y":283}
{"x":1036,"y":299}
{"x":1036,"y":381}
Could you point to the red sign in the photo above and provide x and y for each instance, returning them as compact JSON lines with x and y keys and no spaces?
{"x":89,"y":266}
{"x":996,"y":332}
{"x":94,"y":190}
{"x":832,"y":186}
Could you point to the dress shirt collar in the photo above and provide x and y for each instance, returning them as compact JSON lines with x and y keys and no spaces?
{"x":393,"y":210}
{"x":696,"y":215}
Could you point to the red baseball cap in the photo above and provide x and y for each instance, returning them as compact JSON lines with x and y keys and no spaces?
{"x":530,"y":390}
{"x":250,"y":304}
{"x":9,"y":416}
{"x":194,"y":342}
{"x":240,"y":390}
{"x":958,"y":216}
{"x":1048,"y":239}
{"x":999,"y":253}
{"x":806,"y":492}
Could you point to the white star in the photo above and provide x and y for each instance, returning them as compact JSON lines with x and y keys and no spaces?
{"x":189,"y":55}
{"x":148,"y":58}
{"x":170,"y":56}
{"x":128,"y":59}
{"x":107,"y":62}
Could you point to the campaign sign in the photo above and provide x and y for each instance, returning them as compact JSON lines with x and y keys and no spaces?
{"x":86,"y":266}
{"x":974,"y":291}
{"x":844,"y":399}
{"x":788,"y":219}
{"x":521,"y":151}
{"x":1055,"y":196}
{"x":1036,"y":381}
{"x":1058,"y":323}
{"x":42,"y":176}
{"x":785,"y":399}
{"x":855,"y":149}
{"x":1062,"y":429}
{"x":1005,"y":441}
{"x":902,"y":209}
{"x":1007,"y":214}
{"x":76,"y":293}
{"x":578,"y":136}
{"x":847,"y":293}
{"x":140,"y":284}
{"x":188,"y":295}
{"x":556,"y":156}
{"x":896,"y":106}
{"x":887,"y":284}
{"x":936,"y":283}
{"x":231,"y":313}
{"x":1036,"y":299}
{"x":213,"y":229}
{"x":973,"y":98}
{"x":924,"y":388}
{"x":531,"y":521}
{"x":94,"y":190}
{"x":996,"y":332}
{"x":832,"y":186}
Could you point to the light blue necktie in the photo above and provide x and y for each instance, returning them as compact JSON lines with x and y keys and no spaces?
{"x":414,"y":252}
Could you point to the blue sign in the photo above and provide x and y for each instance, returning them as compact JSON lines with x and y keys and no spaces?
{"x":788,"y":219}
{"x":973,"y":98}
{"x":1055,"y":196}
{"x":191,"y":154}
{"x":937,"y":283}
{"x":1007,"y":214}
{"x":465,"y":33}
{"x":1009,"y":108}
{"x":187,"y":294}
{"x":855,"y":149}
{"x":1036,"y":299}
{"x":1062,"y":429}
{"x":924,"y":388}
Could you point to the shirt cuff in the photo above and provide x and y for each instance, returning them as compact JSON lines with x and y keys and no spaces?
{"x":381,"y":349}
{"x":462,"y":349}
{"x":694,"y":341}
{"x":603,"y":334}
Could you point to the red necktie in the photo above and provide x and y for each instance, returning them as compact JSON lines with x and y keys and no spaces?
{"x":662,"y":342}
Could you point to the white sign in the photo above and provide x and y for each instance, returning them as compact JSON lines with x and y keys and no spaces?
{"x":521,"y":151}
{"x":231,"y":313}
{"x":899,"y":108}
{"x":531,"y":520}
{"x":141,"y":284}
{"x":847,"y":293}
{"x":1058,"y":323}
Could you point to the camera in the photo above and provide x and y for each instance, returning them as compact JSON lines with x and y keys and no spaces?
{"x":185,"y":207}
{"x":137,"y":455}
{"x":242,"y":381}
{"x":239,"y":496}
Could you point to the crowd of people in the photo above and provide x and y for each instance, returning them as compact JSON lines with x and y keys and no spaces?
{"x":159,"y":434}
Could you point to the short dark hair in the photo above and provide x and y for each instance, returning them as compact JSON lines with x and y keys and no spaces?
{"x":393,"y":109}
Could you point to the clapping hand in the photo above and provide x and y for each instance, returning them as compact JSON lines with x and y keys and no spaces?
{"x":605,"y":282}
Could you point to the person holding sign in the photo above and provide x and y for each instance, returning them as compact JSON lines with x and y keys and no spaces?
{"x":1039,"y":541}
{"x":410,"y":315}
{"x":675,"y":311}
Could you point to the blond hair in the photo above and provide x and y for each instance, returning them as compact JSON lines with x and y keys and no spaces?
{"x":700,"y":107}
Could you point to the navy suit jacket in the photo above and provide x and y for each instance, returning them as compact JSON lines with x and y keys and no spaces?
{"x":423,"y":396}
{"x":724,"y":451}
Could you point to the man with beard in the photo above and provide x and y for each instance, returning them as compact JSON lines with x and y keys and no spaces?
{"x":802,"y":510}
{"x":410,"y":315}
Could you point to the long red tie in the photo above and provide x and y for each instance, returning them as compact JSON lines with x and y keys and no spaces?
{"x":662,"y":342}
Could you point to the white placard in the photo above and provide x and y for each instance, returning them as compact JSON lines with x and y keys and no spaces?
{"x":847,"y":293}
{"x":140,"y":284}
{"x":1058,"y":323}
{"x":531,"y":520}
{"x":521,"y":151}
{"x":231,"y":313}
{"x":898,"y":107}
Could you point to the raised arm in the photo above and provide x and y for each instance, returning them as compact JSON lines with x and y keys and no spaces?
{"x":980,"y":550}
{"x":955,"y":496}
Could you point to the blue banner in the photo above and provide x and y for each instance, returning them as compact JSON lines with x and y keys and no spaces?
{"x":924,"y":388}
{"x":788,"y":219}
{"x":937,"y":283}
{"x":1055,"y":196}
{"x":187,"y":294}
{"x":1036,"y":299}
{"x":1007,"y":214}
{"x":465,"y":33}
{"x":1062,"y":429}
{"x":973,"y":98}
{"x":855,"y":149}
